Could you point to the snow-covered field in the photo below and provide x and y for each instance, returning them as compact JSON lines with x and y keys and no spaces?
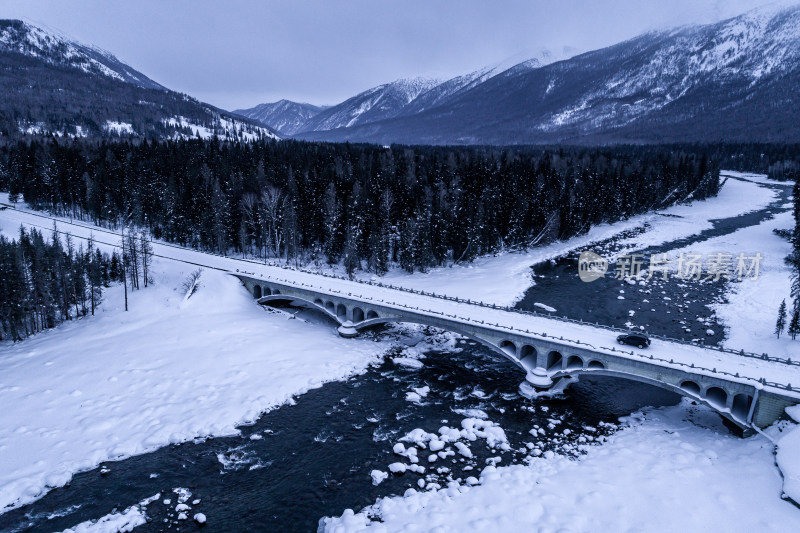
{"x":170,"y":370}
{"x":752,"y":305}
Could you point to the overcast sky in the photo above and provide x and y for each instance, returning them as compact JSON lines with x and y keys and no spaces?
{"x":236,"y":53}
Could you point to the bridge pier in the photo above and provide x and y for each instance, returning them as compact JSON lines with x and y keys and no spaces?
{"x":538,"y":377}
{"x":347,"y":330}
{"x":530,"y":390}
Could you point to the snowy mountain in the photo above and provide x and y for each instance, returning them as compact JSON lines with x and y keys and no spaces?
{"x":53,"y":85}
{"x":454,"y":87}
{"x":379,"y":103}
{"x":284,"y":116}
{"x":735,"y":80}
{"x":17,"y":36}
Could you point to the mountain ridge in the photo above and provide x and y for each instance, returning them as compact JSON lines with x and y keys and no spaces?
{"x":734,"y":80}
{"x":52,"y":85}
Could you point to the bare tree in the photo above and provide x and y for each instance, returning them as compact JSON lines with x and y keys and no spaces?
{"x":133,"y":258}
{"x":146,"y":255}
{"x":272,"y":201}
{"x":249,"y":207}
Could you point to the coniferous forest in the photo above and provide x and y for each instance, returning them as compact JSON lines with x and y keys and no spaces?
{"x":364,"y":206}
{"x":44,"y":282}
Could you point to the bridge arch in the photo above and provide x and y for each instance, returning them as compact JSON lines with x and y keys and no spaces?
{"x":717,"y":397}
{"x":687,"y":388}
{"x":527,"y":356}
{"x":574,"y":361}
{"x":690,"y":387}
{"x":741,"y":405}
{"x":326,"y":308}
{"x":372,"y":314}
{"x":596,"y":365}
{"x":505,"y":351}
{"x":341,"y":312}
{"x":257,"y":291}
{"x":509,"y":348}
{"x":358,"y":315}
{"x":555,"y":361}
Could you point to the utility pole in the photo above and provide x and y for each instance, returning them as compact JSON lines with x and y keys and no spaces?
{"x":123,"y":223}
{"x":124,"y":275}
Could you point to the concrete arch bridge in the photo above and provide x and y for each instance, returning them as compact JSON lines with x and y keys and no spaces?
{"x":747,"y":389}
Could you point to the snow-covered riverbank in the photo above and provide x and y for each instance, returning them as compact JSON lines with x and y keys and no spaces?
{"x":670,"y":469}
{"x":119,"y":384}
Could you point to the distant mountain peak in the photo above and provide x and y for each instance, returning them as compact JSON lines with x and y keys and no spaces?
{"x":373,"y":105}
{"x":284,"y":116}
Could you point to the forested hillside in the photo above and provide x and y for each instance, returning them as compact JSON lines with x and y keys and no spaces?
{"x":365,"y":206}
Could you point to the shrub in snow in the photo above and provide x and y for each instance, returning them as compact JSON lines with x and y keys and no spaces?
{"x":191,"y":284}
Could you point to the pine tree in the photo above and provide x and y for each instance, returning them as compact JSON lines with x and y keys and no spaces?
{"x":794,"y":325}
{"x":781,"y":323}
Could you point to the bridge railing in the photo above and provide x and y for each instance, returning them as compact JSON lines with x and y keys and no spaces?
{"x":740,"y":353}
{"x":612,"y":349}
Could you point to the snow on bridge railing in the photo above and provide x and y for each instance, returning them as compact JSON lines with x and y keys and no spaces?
{"x":741,"y":353}
{"x":613,"y":349}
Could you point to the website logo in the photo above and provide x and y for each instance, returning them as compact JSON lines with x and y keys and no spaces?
{"x":591,"y":266}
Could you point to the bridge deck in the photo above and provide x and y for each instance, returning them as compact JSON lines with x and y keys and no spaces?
{"x":705,"y":360}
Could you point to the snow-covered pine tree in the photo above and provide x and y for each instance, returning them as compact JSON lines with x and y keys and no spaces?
{"x":780,"y":325}
{"x":794,"y":325}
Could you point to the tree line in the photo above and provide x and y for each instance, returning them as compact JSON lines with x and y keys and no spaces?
{"x":789,"y":319}
{"x":363,"y":206}
{"x":778,"y":161}
{"x":44,"y":282}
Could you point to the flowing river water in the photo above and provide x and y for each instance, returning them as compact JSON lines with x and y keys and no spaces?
{"x":311,"y":459}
